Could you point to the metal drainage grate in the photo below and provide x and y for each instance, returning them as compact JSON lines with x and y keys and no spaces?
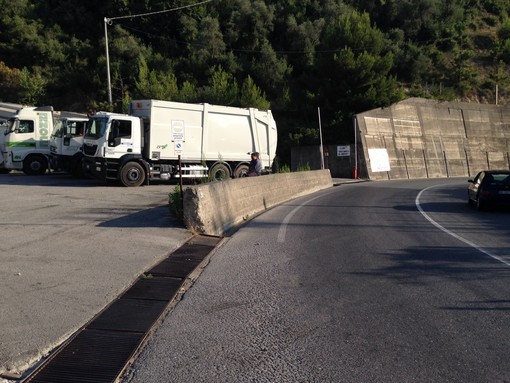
{"x":192,"y":251}
{"x":133,"y":315}
{"x":100,"y":351}
{"x":175,"y":268}
{"x":93,"y":356}
{"x":162,"y":289}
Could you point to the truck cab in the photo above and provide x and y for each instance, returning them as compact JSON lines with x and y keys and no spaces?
{"x":66,"y":142}
{"x":111,"y":141}
{"x":26,"y":140}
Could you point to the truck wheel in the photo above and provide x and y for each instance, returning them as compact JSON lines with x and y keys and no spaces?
{"x":132,"y":174}
{"x":241,"y":171}
{"x":35,"y":165}
{"x":219,"y":172}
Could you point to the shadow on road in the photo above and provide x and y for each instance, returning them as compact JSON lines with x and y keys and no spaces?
{"x":159,"y":216}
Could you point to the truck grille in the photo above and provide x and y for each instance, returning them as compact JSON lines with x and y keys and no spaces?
{"x":89,"y":150}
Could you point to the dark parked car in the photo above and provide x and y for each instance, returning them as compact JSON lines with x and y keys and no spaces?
{"x":490,"y":188}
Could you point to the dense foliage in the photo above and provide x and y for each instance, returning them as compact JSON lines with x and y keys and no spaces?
{"x":293,"y":56}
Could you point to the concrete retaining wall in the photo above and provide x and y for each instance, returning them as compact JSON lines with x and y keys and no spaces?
{"x":216,"y":207}
{"x":428,"y":139}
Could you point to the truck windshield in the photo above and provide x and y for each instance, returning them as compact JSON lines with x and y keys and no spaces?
{"x":57,"y":129}
{"x":10,"y":125}
{"x":96,"y":127}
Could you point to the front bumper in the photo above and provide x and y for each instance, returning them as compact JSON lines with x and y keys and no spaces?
{"x":94,"y":167}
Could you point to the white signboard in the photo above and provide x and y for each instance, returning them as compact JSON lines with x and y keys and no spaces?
{"x":379,"y":160}
{"x":177,"y":130}
{"x":343,"y":151}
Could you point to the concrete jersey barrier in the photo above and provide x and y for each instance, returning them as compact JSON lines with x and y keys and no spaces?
{"x":216,"y":207}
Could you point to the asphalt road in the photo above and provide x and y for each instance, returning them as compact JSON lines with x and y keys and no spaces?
{"x":394,"y":281}
{"x":68,"y":247}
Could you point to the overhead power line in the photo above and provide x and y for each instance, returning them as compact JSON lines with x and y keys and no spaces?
{"x":110,"y":19}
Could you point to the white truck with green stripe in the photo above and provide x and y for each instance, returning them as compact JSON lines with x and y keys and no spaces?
{"x":26,"y":140}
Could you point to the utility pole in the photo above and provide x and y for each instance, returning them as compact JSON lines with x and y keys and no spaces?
{"x":107,"y":22}
{"x":320,"y":134}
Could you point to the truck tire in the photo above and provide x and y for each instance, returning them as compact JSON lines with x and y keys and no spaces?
{"x":241,"y":171}
{"x":35,"y":165}
{"x":219,"y":172}
{"x":132,"y":174}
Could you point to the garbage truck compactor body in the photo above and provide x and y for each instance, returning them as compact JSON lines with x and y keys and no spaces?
{"x":209,"y":140}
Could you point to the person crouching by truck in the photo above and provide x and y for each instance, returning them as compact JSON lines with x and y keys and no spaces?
{"x":255,"y":167}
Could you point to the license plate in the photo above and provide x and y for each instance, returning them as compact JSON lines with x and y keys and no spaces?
{"x":504,"y":192}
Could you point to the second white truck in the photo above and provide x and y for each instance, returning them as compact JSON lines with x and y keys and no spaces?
{"x":66,"y":142}
{"x":210,"y":140}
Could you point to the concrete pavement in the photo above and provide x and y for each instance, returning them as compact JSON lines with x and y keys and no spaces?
{"x":65,"y":255}
{"x":67,"y":248}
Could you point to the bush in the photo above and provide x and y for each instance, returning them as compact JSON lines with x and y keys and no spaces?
{"x":304,"y":168}
{"x":175,"y":202}
{"x":284,"y":169}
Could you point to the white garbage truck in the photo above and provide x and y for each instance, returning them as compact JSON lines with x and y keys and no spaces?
{"x":163,"y":140}
{"x":27,"y":135}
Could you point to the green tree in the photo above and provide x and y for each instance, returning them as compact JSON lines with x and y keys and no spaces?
{"x":9,"y":83}
{"x":152,"y":84}
{"x":357,"y":75}
{"x":188,"y":92}
{"x":252,"y":96}
{"x":32,"y":87}
{"x":222,"y":88}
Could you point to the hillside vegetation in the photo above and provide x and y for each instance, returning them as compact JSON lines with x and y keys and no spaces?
{"x":292,"y":56}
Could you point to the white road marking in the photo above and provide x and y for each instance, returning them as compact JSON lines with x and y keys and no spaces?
{"x":283,"y":227}
{"x":442,"y":228}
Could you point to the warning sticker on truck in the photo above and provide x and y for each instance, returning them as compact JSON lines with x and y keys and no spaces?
{"x":177,"y":130}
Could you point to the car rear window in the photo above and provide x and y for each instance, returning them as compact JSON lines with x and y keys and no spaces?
{"x":499,"y":178}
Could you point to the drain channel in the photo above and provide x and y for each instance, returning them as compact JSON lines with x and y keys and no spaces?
{"x":102,"y":349}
